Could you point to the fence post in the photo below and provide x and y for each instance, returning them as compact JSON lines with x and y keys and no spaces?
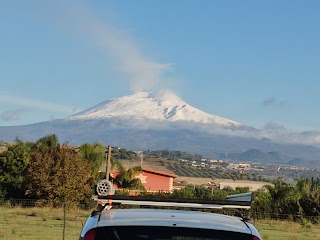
{"x":64,"y":220}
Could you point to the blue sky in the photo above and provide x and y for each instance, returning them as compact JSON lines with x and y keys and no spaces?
{"x":255,"y":62}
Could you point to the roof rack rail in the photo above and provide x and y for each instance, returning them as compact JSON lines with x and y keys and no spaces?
{"x":242,"y":197}
{"x":237,"y":201}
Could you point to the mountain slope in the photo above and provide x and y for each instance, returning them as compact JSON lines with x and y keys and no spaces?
{"x":148,"y":106}
{"x":146,"y":121}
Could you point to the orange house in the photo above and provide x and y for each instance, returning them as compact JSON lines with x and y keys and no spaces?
{"x":154,"y":181}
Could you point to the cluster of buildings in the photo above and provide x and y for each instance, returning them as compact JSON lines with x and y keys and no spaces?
{"x":218,"y":164}
{"x":240,"y":167}
{"x":275,"y":167}
{"x":203,"y":163}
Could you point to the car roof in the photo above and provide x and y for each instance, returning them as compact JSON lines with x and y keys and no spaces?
{"x":165,"y":217}
{"x":105,"y":215}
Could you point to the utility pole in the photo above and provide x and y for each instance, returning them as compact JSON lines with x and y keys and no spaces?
{"x":108,"y":159}
{"x":141,"y":159}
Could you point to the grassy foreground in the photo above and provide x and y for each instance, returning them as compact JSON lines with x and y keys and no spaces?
{"x":284,"y":230}
{"x":40,"y":223}
{"x":47,"y":224}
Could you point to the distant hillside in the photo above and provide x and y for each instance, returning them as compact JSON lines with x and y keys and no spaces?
{"x":254,"y":155}
{"x":151,"y":160}
{"x":169,"y":161}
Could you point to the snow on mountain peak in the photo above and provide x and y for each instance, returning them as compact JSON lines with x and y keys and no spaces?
{"x":164,"y":105}
{"x":168,"y":97}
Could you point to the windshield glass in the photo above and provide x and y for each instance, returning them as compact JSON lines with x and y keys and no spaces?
{"x":165,"y":233}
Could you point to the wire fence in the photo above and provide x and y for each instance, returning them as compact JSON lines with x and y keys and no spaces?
{"x":71,"y":217}
{"x":31,"y":203}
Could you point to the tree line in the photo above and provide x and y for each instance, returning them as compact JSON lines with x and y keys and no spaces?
{"x":295,"y":200}
{"x":47,"y":170}
{"x":56,"y":172}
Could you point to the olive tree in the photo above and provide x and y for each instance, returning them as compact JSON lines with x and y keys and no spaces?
{"x":58,"y":174}
{"x":13,"y":165}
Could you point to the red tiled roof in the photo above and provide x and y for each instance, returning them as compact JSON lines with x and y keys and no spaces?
{"x":151,"y":171}
{"x":160,"y":173}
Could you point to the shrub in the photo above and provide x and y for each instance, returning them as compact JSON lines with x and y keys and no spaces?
{"x":305,"y":223}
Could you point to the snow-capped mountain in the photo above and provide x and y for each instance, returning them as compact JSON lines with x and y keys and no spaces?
{"x":145,"y":121}
{"x":148,"y":106}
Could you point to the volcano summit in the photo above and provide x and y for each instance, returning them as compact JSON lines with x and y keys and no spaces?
{"x":145,"y":120}
{"x":148,"y":106}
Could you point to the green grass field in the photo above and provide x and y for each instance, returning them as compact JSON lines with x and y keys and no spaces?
{"x":40,"y":223}
{"x":47,"y":224}
{"x":284,"y":230}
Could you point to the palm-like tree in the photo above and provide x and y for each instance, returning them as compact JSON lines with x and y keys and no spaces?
{"x":95,"y":155}
{"x":126,"y":178}
{"x":309,"y":190}
{"x":285,"y":198}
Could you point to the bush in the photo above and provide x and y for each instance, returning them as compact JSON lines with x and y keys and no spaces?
{"x":305,"y":223}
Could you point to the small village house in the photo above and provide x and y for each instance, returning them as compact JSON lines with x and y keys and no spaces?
{"x":154,"y":181}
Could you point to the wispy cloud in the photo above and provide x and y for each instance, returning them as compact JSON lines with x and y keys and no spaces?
{"x":12,"y":115}
{"x":274,"y":126}
{"x":39,"y":104}
{"x":272,"y":101}
{"x":142,"y":72}
{"x":83,"y":23}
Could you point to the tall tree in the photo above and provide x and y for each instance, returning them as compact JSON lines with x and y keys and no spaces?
{"x":13,"y":164}
{"x":94,"y":154}
{"x":309,"y":190}
{"x":49,"y":141}
{"x":262,"y":205}
{"x":285,"y":198}
{"x":58,"y":174}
